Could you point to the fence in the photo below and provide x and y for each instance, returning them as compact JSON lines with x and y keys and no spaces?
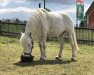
{"x":84,"y":35}
{"x":11,"y":28}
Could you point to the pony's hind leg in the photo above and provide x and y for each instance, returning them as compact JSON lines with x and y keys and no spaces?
{"x":74,"y":45}
{"x":61,"y":41}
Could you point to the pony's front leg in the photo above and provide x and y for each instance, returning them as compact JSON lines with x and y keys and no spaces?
{"x":42,"y":48}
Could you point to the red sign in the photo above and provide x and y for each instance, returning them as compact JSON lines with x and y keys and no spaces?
{"x":79,"y":1}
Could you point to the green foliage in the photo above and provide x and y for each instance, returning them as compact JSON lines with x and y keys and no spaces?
{"x":48,"y":9}
{"x":82,"y":24}
{"x":10,"y":51}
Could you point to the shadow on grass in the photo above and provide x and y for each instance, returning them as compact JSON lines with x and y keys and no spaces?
{"x":39,"y":62}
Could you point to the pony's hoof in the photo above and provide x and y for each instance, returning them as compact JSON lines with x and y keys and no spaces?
{"x":26,"y":59}
{"x":57,"y":58}
{"x":74,"y":60}
{"x":41,"y":59}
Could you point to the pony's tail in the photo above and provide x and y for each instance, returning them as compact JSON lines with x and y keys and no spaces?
{"x":70,"y":30}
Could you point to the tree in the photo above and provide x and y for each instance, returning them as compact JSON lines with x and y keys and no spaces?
{"x":48,"y":9}
{"x":82,"y":24}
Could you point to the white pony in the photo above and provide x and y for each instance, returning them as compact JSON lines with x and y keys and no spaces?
{"x":43,"y":24}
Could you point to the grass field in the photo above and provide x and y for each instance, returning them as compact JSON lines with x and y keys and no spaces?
{"x":10,"y":51}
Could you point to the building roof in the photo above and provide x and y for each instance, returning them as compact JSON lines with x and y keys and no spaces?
{"x":90,"y":8}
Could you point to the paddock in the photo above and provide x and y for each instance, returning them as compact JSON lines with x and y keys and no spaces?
{"x":10,"y":51}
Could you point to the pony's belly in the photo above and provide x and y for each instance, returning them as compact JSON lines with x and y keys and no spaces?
{"x":53,"y":34}
{"x":56,"y":30}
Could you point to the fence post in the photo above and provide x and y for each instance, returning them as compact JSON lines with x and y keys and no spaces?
{"x":0,"y":28}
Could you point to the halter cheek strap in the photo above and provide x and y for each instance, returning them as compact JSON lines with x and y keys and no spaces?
{"x":29,"y":35}
{"x":31,"y":41}
{"x":26,"y":54}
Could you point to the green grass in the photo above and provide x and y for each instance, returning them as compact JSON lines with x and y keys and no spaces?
{"x":10,"y":51}
{"x":14,"y":28}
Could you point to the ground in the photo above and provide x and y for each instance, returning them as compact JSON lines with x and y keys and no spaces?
{"x":10,"y":51}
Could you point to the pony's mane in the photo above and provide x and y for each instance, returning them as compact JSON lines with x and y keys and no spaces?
{"x":35,"y":23}
{"x":43,"y":10}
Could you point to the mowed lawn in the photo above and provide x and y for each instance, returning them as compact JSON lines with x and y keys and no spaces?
{"x":10,"y":51}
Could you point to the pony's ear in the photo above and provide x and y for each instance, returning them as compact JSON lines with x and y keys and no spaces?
{"x":21,"y":33}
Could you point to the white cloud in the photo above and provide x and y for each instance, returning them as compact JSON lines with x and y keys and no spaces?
{"x":86,"y":6}
{"x":19,"y":9}
{"x":70,"y":10}
{"x":73,"y":9}
{"x":64,"y":2}
{"x":20,"y":1}
{"x":3,"y":3}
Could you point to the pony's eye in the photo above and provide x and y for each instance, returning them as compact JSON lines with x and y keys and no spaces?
{"x":29,"y":45}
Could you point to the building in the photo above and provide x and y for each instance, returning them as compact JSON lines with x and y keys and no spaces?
{"x":90,"y":16}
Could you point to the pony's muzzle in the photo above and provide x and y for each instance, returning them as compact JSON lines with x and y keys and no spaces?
{"x":26,"y":59}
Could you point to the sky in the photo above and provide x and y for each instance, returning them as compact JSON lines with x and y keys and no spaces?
{"x":21,"y":9}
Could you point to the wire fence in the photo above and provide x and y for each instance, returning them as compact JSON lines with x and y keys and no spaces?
{"x":84,"y":35}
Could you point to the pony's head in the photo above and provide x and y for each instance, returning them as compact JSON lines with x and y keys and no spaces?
{"x":27,"y":43}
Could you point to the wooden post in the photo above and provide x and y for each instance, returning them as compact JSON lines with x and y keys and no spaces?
{"x":0,"y":28}
{"x":44,"y":4}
